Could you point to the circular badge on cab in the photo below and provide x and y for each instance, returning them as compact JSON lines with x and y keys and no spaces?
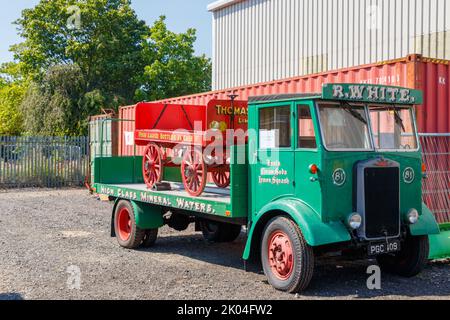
{"x":339,"y":177}
{"x":409,"y":175}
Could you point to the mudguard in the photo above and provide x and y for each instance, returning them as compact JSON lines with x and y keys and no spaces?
{"x":315,"y":231}
{"x":426,"y":225}
{"x":147,"y":216}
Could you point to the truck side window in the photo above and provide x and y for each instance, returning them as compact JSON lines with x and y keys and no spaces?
{"x":275,"y":127}
{"x":306,"y":132}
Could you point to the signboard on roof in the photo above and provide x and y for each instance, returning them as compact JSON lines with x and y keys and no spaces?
{"x":371,"y":93}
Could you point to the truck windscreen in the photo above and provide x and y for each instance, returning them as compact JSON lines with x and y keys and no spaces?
{"x":344,"y":127}
{"x":393,"y":128}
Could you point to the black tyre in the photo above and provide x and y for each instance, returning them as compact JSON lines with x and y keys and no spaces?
{"x":220,"y":232}
{"x":150,"y":238}
{"x":287,"y":260}
{"x":410,"y":261}
{"x":127,"y":233}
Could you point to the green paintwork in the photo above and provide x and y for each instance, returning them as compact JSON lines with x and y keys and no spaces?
{"x":239,"y":182}
{"x":147,"y":217}
{"x":118,"y":170}
{"x":426,"y":225}
{"x":165,"y":198}
{"x":316,"y":232}
{"x":440,"y":244}
{"x":371,"y":93}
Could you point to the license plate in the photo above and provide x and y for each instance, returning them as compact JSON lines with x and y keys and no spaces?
{"x":378,"y":248}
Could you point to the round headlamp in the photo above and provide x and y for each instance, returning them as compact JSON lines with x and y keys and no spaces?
{"x":354,"y":221}
{"x":413,"y":216}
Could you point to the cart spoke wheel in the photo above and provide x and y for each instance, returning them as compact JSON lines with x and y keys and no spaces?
{"x":221,"y":177}
{"x":281,"y":257}
{"x":194,"y":172}
{"x":152,"y":166}
{"x":124,"y":224}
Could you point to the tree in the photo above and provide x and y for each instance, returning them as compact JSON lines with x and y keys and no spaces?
{"x":10,"y":116}
{"x":12,"y":91}
{"x":172,"y":69}
{"x":106,"y":44}
{"x":59,"y":105}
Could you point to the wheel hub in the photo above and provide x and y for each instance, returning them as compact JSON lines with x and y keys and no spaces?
{"x":281,"y":256}
{"x":124,"y":224}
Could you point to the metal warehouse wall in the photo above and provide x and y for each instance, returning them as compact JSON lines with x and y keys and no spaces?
{"x":264,"y":40}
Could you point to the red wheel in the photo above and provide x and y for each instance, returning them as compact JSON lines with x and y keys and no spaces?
{"x":194,"y":172}
{"x":287,"y":259}
{"x":124,"y":224}
{"x":281,"y":257}
{"x":152,"y":166}
{"x":128,"y":234}
{"x":221,"y":176}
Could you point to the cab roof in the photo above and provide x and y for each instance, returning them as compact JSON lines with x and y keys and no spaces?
{"x":284,"y":97}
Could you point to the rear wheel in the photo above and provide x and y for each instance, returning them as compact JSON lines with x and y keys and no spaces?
{"x":410,"y":261}
{"x":194,"y":172}
{"x":220,"y":232}
{"x":221,"y":176}
{"x":128,"y":234}
{"x":288,"y":261}
{"x":150,"y":238}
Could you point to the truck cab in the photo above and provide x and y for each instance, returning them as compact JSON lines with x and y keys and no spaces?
{"x":337,"y":169}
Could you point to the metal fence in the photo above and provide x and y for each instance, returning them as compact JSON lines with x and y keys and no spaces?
{"x":436,"y":188}
{"x":50,"y":162}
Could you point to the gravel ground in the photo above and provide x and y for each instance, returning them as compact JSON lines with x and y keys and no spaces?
{"x":45,"y":232}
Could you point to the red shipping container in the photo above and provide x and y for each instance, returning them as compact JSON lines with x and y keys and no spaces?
{"x":414,"y":71}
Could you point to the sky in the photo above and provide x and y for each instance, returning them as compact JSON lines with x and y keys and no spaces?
{"x":181,"y":15}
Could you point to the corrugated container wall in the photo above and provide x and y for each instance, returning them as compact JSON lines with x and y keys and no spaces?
{"x":430,"y":75}
{"x":264,"y":40}
{"x":126,"y":129}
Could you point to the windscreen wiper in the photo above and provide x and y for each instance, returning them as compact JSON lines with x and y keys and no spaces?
{"x":347,"y":107}
{"x":399,"y":120}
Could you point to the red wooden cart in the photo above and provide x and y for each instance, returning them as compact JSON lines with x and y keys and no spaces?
{"x":178,"y":135}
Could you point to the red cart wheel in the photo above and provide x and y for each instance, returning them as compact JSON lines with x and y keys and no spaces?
{"x":194,"y":172}
{"x":152,"y":166}
{"x":221,"y":176}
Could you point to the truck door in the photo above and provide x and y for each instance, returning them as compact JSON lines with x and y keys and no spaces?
{"x":273,"y":169}
{"x":306,"y":154}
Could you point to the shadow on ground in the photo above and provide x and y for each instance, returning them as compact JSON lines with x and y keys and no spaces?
{"x":333,"y":278}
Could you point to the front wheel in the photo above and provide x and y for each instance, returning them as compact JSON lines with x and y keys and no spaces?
{"x":287,"y":260}
{"x":410,"y":261}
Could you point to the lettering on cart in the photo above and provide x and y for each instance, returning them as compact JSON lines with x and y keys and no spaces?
{"x":195,"y":206}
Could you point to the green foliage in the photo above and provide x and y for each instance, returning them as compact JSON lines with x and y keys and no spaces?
{"x":172,"y":69}
{"x":59,"y":106}
{"x":70,"y":70}
{"x":107,"y":46}
{"x":10,"y":116}
{"x":12,"y":91}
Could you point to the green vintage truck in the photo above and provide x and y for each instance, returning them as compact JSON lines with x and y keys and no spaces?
{"x":336,"y":171}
